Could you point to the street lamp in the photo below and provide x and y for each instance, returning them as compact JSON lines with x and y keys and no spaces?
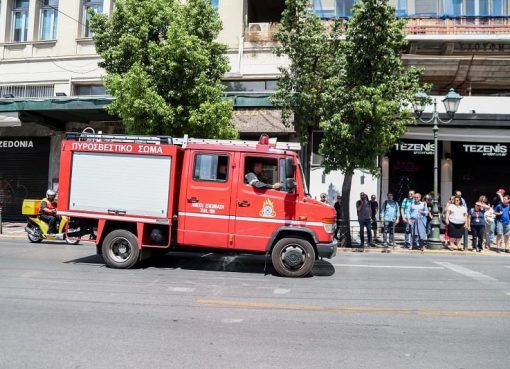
{"x":451,"y":103}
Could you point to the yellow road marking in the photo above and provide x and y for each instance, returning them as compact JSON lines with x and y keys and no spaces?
{"x":360,"y":309}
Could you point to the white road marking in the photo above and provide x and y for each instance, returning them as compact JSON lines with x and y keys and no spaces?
{"x":227,"y":320}
{"x":466,"y":272}
{"x":281,"y":291}
{"x":386,"y":266}
{"x":181,"y":289}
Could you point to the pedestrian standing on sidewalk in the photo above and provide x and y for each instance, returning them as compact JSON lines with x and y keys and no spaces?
{"x":406,"y":203}
{"x":389,"y":218}
{"x":462,"y":201}
{"x":445,"y":216}
{"x":503,"y":228}
{"x":340,"y":232}
{"x":417,"y":214}
{"x":488,"y":217}
{"x":495,"y":201}
{"x":456,"y":221}
{"x":476,"y":221}
{"x":374,"y":209}
{"x":364,"y":218}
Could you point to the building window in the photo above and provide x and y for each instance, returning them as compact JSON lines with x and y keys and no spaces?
{"x":97,"y":6}
{"x":473,"y":8}
{"x":90,"y":90}
{"x":260,"y":86}
{"x":20,"y":20}
{"x":13,"y":91}
{"x":401,"y":10}
{"x":49,"y":19}
{"x":211,"y":167}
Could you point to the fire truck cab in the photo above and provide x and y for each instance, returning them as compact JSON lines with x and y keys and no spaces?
{"x":137,"y":194}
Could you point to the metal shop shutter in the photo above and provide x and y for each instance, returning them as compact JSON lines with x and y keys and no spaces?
{"x":23,"y":172}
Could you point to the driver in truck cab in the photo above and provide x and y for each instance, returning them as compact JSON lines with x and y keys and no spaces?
{"x":257,"y":179}
{"x":48,"y":211}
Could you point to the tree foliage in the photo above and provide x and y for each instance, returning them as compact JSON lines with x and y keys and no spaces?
{"x":164,"y":67}
{"x":306,"y":42}
{"x":366,"y":104}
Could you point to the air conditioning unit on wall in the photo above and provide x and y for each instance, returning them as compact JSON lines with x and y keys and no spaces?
{"x":259,"y":32}
{"x":258,"y":27}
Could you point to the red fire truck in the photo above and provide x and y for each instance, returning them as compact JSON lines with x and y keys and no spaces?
{"x":139,"y":194}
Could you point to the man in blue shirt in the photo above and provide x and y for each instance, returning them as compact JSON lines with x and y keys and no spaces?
{"x":502,"y":212}
{"x":389,"y":218}
{"x":403,"y":210}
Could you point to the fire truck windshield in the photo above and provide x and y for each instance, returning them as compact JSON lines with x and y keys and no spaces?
{"x":302,"y":174}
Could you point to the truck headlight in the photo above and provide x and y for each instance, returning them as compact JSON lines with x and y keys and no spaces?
{"x":329,"y":225}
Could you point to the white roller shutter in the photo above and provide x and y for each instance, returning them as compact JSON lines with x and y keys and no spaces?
{"x":134,"y":184}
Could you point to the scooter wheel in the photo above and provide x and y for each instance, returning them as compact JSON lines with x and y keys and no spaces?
{"x":72,"y":241}
{"x":33,"y":238}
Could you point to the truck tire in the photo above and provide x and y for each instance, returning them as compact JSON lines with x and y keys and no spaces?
{"x":293,"y":257}
{"x":120,"y":249}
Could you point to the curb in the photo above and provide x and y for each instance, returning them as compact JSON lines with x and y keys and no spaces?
{"x":399,"y":250}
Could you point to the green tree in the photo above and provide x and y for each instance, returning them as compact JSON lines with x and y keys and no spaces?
{"x":366,"y":103}
{"x":311,"y":49}
{"x":164,"y":67}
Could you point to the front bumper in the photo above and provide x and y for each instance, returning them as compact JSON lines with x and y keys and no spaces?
{"x":327,"y":250}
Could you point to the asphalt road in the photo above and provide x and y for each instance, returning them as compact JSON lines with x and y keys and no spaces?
{"x":60,"y":307}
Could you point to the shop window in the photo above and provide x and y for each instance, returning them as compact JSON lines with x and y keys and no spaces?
{"x":97,"y":6}
{"x":265,"y":11}
{"x":20,"y":20}
{"x":266,"y":169}
{"x":90,"y":90}
{"x":210,"y":167}
{"x":49,"y":19}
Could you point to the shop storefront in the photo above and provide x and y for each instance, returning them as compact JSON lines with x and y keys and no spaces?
{"x":480,"y":168}
{"x":23,"y":172}
{"x":411,"y":164}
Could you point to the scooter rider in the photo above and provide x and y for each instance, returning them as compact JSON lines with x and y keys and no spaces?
{"x":48,"y":211}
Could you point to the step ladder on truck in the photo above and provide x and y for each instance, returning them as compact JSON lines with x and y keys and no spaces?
{"x":140,"y":194}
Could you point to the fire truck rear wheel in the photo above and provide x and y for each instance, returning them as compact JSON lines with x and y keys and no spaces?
{"x":293,"y":257}
{"x":120,"y":249}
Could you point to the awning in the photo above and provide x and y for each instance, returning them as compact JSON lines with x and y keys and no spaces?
{"x":260,"y":121}
{"x":54,"y":110}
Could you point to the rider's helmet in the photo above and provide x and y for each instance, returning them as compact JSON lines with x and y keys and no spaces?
{"x":50,"y":193}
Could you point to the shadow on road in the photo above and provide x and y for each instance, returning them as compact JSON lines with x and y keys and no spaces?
{"x":213,"y":262}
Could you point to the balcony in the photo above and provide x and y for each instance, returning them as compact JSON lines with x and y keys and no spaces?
{"x":264,"y":32}
{"x":458,"y":26}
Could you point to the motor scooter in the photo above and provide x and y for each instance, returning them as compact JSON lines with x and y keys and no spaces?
{"x":37,"y":229}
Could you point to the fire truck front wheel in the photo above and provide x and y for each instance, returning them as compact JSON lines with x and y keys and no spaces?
{"x":120,"y":249}
{"x":293,"y":257}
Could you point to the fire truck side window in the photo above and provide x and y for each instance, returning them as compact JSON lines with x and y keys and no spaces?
{"x":269,"y":172}
{"x":210,"y":167}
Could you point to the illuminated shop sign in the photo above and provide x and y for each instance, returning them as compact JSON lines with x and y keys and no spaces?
{"x":426,"y":148}
{"x":486,"y":149}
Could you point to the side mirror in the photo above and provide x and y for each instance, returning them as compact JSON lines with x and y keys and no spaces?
{"x":290,"y":184}
{"x":290,"y":168}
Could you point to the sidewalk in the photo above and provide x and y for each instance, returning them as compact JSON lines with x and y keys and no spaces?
{"x":13,"y":230}
{"x":16,"y":231}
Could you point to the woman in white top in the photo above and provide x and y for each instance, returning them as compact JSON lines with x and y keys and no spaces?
{"x":456,"y":221}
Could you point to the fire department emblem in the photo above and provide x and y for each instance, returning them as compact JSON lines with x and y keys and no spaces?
{"x":267,"y":210}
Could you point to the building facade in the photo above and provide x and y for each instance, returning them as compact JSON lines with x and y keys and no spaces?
{"x":50,"y":83}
